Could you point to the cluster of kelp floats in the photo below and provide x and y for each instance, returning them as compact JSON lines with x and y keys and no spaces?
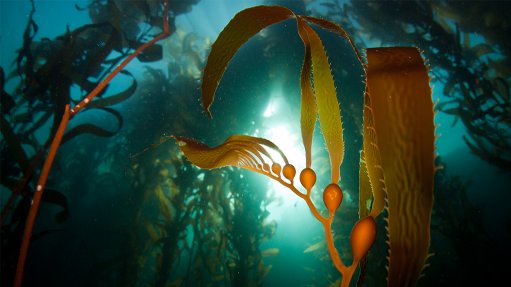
{"x":468,"y":49}
{"x":155,"y":220}
{"x":165,"y":223}
{"x":396,"y":169}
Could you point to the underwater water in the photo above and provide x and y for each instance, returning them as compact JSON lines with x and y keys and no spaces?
{"x":123,"y":206}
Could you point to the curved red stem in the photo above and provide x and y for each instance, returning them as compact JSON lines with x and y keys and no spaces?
{"x":38,"y":194}
{"x":68,"y":114}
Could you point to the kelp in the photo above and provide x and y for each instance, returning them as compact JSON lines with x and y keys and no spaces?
{"x":403,"y":123}
{"x":250,"y":152}
{"x":93,"y":129}
{"x":6,"y":100}
{"x":398,"y":140}
{"x":238,"y":150}
{"x":117,"y":98}
{"x":210,"y":224}
{"x":471,"y":73}
{"x":47,"y":70}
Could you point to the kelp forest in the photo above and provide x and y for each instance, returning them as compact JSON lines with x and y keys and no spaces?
{"x":254,"y":143}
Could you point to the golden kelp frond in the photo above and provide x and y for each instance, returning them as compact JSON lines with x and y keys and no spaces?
{"x":260,"y":141}
{"x":372,"y":159}
{"x":238,"y":150}
{"x":398,"y":87}
{"x":328,"y":106}
{"x":242,"y":27}
{"x":308,"y":103}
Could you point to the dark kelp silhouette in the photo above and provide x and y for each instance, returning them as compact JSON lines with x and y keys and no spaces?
{"x":397,"y":163}
{"x":47,"y":70}
{"x":209,"y":224}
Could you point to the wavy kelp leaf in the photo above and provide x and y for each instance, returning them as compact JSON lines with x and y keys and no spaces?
{"x":308,"y":103}
{"x":40,"y":122}
{"x":13,"y":143}
{"x":58,"y":198}
{"x":328,"y":106}
{"x":260,"y":141}
{"x":95,"y":130}
{"x":117,"y":98}
{"x":241,"y":151}
{"x":151,"y":54}
{"x":372,"y":160}
{"x":398,"y":87}
{"x":242,"y":27}
{"x":6,"y":100}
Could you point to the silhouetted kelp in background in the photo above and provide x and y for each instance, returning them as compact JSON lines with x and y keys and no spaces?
{"x":206,"y":227}
{"x":221,"y":248}
{"x":152,"y":229}
{"x":468,"y":45}
{"x":47,"y":70}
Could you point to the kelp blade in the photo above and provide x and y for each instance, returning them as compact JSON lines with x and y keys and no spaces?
{"x":308,"y":103}
{"x":242,"y":27}
{"x":398,"y":86}
{"x":327,"y":104}
{"x":241,"y":151}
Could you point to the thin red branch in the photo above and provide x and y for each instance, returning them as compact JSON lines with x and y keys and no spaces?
{"x":126,"y":61}
{"x":38,"y":194}
{"x":68,"y":114}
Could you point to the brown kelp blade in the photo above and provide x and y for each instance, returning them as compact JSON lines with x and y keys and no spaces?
{"x":327,"y":104}
{"x":308,"y":103}
{"x":242,"y":27}
{"x":398,"y":88}
{"x":241,"y":151}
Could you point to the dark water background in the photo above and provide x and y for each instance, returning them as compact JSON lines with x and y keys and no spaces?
{"x":105,"y":240}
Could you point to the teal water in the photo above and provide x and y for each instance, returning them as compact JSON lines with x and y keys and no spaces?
{"x":155,"y":220}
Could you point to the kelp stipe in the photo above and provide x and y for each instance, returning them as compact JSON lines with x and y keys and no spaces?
{"x":397,"y":161}
{"x":68,"y":114}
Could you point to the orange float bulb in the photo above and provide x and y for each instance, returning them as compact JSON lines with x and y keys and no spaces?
{"x":289,"y":172}
{"x":332,"y":197}
{"x":276,"y":168}
{"x":362,"y":237}
{"x":307,"y":178}
{"x":266,"y":167}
